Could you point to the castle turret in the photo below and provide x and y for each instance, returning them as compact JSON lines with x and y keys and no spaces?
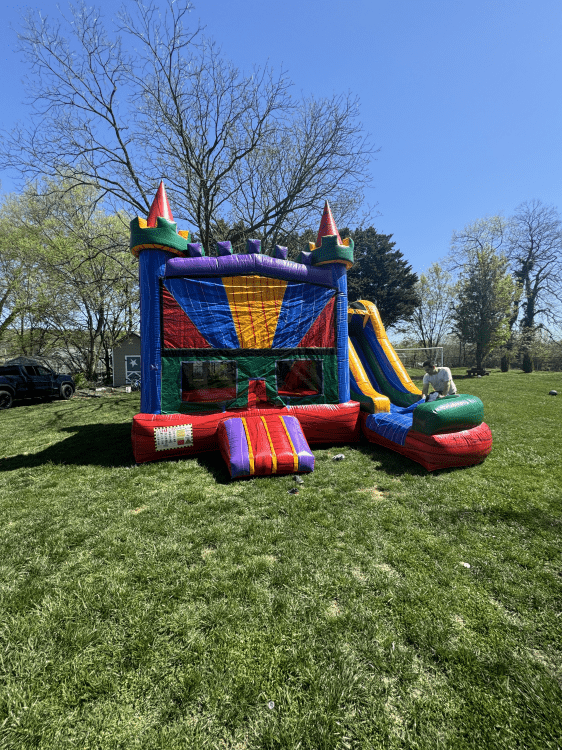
{"x":329,"y":247}
{"x":331,"y":250}
{"x":159,"y":231}
{"x":154,"y":241}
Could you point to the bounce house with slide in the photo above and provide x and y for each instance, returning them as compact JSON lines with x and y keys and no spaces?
{"x":261,"y":357}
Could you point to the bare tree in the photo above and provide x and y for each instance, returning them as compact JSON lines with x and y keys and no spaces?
{"x":535,"y":251}
{"x":121,"y":106}
{"x":486,"y":299}
{"x":431,"y":320}
{"x":489,"y":234}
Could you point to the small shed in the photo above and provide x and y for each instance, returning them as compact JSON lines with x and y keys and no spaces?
{"x":127,"y":359}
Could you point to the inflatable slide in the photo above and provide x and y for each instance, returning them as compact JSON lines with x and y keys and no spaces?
{"x":445,"y":433}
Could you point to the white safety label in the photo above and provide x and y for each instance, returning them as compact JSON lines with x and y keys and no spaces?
{"x":174,"y":436}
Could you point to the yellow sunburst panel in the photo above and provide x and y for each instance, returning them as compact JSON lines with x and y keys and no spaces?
{"x":255,"y":303}
{"x":380,"y":333}
{"x":381,"y":403}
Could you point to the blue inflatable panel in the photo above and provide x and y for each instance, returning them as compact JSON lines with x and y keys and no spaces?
{"x":382,"y":359}
{"x":365,"y":363}
{"x":393,"y":425}
{"x":342,"y":332}
{"x":301,"y":305}
{"x":406,"y":409}
{"x":151,"y":267}
{"x":205,"y":302}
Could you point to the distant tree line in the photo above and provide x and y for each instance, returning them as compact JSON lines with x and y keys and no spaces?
{"x":498,"y":294}
{"x":68,"y":282}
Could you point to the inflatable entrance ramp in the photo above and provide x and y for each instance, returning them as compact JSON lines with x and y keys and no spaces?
{"x":259,"y":446}
{"x":445,"y":433}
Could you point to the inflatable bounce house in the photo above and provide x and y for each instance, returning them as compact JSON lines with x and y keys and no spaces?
{"x":259,"y":357}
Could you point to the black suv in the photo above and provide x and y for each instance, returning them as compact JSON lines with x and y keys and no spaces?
{"x":28,"y":378}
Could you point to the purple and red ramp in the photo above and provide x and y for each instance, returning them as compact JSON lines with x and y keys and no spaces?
{"x":264,"y":445}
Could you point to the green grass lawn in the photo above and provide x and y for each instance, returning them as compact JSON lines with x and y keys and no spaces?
{"x":162,"y":606}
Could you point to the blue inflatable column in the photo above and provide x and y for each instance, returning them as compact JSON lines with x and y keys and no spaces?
{"x":339,"y":275}
{"x":152,"y":264}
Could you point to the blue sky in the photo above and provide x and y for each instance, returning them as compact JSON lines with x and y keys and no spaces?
{"x":462,"y":97}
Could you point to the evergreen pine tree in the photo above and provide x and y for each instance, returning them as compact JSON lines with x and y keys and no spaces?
{"x":381,"y":275}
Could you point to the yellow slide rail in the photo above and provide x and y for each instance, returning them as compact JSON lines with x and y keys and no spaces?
{"x":380,"y":402}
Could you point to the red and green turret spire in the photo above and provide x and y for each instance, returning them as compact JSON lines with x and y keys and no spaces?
{"x":159,"y":231}
{"x":327,"y":226}
{"x":160,"y":207}
{"x":329,"y":248}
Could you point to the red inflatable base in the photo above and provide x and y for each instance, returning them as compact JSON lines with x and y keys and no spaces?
{"x":159,"y":436}
{"x":443,"y":451}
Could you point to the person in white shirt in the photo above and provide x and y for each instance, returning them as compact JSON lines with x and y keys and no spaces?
{"x":441,"y":380}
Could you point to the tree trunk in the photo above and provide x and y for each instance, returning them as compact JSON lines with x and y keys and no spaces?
{"x":527,"y":362}
{"x":479,"y":356}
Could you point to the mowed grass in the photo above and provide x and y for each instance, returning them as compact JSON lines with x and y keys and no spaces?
{"x":162,"y":606}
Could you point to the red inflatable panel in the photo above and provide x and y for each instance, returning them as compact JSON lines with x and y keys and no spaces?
{"x":159,"y":436}
{"x":178,"y":330}
{"x":442,"y":451}
{"x":329,"y":423}
{"x":323,"y":331}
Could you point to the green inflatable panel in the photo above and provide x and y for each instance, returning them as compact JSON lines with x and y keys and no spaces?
{"x":331,"y":252}
{"x":452,"y":413}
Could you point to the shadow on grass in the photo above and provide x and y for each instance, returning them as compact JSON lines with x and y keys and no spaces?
{"x":395,"y":464}
{"x":87,"y":445}
{"x":107,"y":445}
{"x":19,"y":404}
{"x":388,"y":461}
{"x":213,"y":462}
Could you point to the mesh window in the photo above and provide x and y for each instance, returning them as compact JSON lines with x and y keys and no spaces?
{"x":299,"y":377}
{"x":208,"y":382}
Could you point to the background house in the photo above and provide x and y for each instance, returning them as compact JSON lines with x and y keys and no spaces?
{"x":126,"y":356}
